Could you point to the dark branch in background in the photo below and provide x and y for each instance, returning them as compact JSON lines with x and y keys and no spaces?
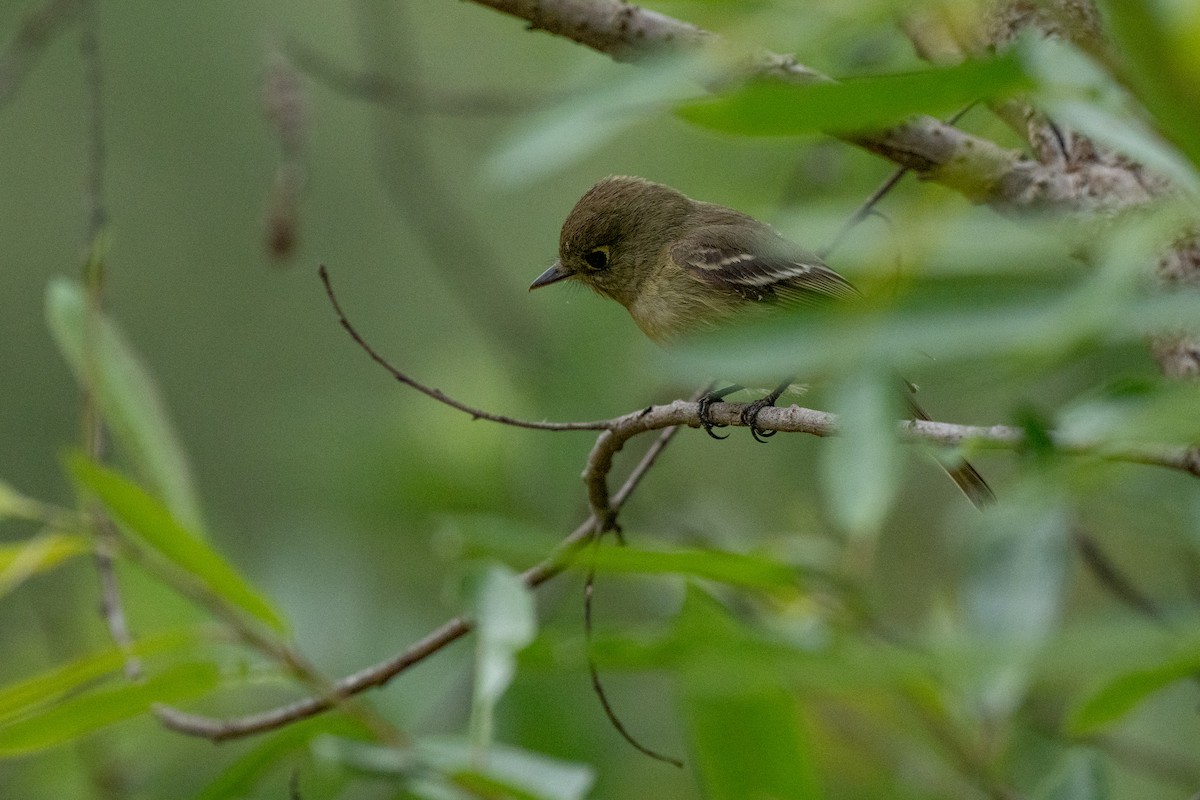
{"x":38,"y":28}
{"x":112,"y":608}
{"x":598,"y":687}
{"x":93,"y":100}
{"x":287,"y":111}
{"x":1111,"y":578}
{"x":460,"y":256}
{"x":408,"y":95}
{"x":589,"y":593}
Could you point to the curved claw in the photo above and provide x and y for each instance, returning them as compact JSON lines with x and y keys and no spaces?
{"x":760,"y":435}
{"x":750,"y":419}
{"x":706,"y":420}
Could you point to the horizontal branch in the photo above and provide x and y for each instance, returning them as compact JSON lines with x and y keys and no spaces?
{"x":795,"y":419}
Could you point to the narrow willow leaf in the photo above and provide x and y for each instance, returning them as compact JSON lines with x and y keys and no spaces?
{"x":90,"y":711}
{"x":1080,"y":775}
{"x":20,"y":561}
{"x":144,"y":517}
{"x":133,"y":409}
{"x":18,"y":698}
{"x":591,"y":114}
{"x":15,"y":505}
{"x":1154,"y":56}
{"x":1015,"y":587}
{"x":774,"y":108}
{"x":240,"y":778}
{"x":748,"y":738}
{"x":730,"y":568}
{"x":751,"y":745}
{"x":513,"y":771}
{"x":505,"y":623}
{"x":501,"y":771}
{"x":862,"y":463}
{"x":1119,"y":696}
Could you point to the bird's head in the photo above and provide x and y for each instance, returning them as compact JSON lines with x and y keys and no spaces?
{"x":615,"y":235}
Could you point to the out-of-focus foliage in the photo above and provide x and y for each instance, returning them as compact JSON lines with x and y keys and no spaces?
{"x":810,"y":619}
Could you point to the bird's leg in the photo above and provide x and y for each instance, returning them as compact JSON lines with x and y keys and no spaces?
{"x":706,"y":402}
{"x":752,"y":410}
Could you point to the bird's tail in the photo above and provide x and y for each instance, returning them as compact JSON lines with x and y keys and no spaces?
{"x":965,"y":476}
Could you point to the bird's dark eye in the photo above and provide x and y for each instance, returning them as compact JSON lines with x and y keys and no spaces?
{"x":597,"y":258}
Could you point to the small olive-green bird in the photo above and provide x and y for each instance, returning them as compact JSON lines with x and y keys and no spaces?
{"x":680,"y":265}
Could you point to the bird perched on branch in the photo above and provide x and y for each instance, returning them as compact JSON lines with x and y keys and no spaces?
{"x":680,"y":265}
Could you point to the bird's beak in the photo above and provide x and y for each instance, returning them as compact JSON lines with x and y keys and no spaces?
{"x":555,"y":274}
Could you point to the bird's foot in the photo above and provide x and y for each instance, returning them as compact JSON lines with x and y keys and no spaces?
{"x":750,"y":417}
{"x":705,"y":413}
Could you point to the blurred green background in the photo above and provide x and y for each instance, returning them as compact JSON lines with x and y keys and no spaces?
{"x":354,"y":502}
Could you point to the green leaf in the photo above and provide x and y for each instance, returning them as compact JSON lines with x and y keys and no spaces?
{"x":20,"y":561}
{"x":1015,"y":586}
{"x":104,"y":362}
{"x":862,"y":463}
{"x":1080,"y":775}
{"x":240,"y":778}
{"x":144,"y":517}
{"x":774,"y":108}
{"x":926,"y":329}
{"x":500,"y":771}
{"x":1120,"y":695}
{"x":505,"y":622}
{"x":19,"y":698}
{"x":1155,"y":58}
{"x":15,"y":505}
{"x":593,"y":112}
{"x":748,"y":738}
{"x":88,"y":712}
{"x":730,"y":568}
{"x":751,"y":746}
{"x":1077,"y":91}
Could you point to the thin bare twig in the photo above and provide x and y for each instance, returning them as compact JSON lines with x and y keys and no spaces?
{"x":439,"y":395}
{"x":458,"y":250}
{"x":868,"y":206}
{"x":588,"y":627}
{"x":112,"y":608}
{"x":378,"y":88}
{"x":1110,"y":576}
{"x":598,"y":686}
{"x":378,"y":674}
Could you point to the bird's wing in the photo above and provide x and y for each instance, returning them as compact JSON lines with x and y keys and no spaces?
{"x":759,"y":265}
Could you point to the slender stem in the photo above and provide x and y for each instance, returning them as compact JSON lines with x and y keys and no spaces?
{"x":378,"y":674}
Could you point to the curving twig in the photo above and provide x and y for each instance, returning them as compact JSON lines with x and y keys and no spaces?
{"x":438,"y":394}
{"x":791,"y":419}
{"x":218,"y":730}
